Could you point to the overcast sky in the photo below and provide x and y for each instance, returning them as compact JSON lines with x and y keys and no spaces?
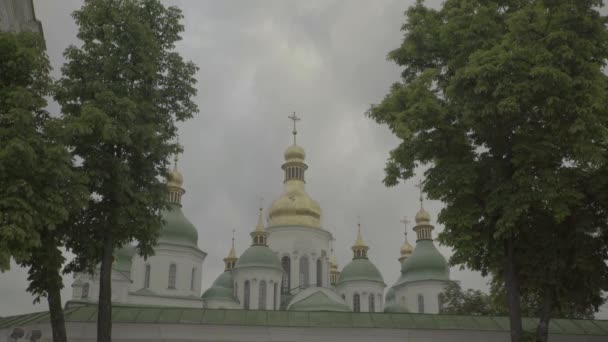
{"x":259,"y":61}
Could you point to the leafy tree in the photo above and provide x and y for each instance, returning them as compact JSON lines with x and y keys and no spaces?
{"x":121,"y":93}
{"x":478,"y":303}
{"x":39,"y":189}
{"x":505,"y":104}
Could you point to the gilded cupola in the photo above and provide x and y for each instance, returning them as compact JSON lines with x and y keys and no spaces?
{"x":294,"y":207}
{"x":406,"y":248}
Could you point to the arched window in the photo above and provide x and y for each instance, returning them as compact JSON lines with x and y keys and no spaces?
{"x":371,"y":303}
{"x":147,"y":277}
{"x":344,"y":297}
{"x":236,"y":290}
{"x":304,"y":272}
{"x":172,"y":275}
{"x":262,"y":296}
{"x":440,"y":300}
{"x":285,"y":285}
{"x":85,"y":291}
{"x":274,"y":297}
{"x":246,"y":295}
{"x":420,"y":304}
{"x":192,"y":279}
{"x":356,"y":303}
{"x":319,"y":273}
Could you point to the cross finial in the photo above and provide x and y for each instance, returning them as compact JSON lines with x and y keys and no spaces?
{"x":233,"y":231}
{"x":176,"y":157}
{"x":405,"y":221}
{"x":261,"y":203}
{"x":419,"y":186}
{"x":294,"y":118}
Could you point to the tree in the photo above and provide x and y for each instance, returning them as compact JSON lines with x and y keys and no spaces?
{"x":478,"y":303}
{"x":504,"y":103}
{"x":469,"y":302}
{"x":121,"y":93}
{"x":39,"y":188}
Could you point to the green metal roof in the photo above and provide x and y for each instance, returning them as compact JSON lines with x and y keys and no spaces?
{"x":222,"y":288}
{"x":259,"y":256}
{"x":169,"y":315}
{"x":318,"y":299}
{"x":177,"y":228}
{"x":425,"y":263}
{"x":360,"y":269}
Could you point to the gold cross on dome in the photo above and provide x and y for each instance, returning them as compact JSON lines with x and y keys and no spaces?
{"x":295,"y":119}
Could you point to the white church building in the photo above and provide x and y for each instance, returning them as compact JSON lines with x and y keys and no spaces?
{"x":286,"y":286}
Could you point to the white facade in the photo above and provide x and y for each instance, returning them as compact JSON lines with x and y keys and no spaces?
{"x":254,"y":283}
{"x":364,"y":289}
{"x":305,"y":247}
{"x":421,"y":296}
{"x":131,"y":287}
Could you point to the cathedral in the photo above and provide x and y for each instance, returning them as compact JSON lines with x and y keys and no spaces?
{"x":286,"y":286}
{"x":289,"y":265}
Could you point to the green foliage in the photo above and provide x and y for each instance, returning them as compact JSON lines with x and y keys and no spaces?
{"x":505,"y":104}
{"x":39,"y":188}
{"x":478,"y":303}
{"x":121,"y":93}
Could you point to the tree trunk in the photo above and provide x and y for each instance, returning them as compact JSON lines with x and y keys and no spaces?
{"x":542,"y":332}
{"x":104,"y":314}
{"x":56,"y":311}
{"x":512,"y":286}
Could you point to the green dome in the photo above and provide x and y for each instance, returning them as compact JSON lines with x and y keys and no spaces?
{"x":176,"y":228}
{"x":123,"y":257}
{"x":317,"y":299}
{"x":360,"y":269}
{"x":258,"y":256}
{"x":425,"y":263}
{"x":222,"y":288}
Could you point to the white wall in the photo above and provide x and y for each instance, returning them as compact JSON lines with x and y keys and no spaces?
{"x":364,"y":289}
{"x":407,"y":295}
{"x":297,"y":242}
{"x":86,"y":332}
{"x":255,"y":275}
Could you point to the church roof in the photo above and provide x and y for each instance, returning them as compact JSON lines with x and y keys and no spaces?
{"x":258,"y":256}
{"x":171,"y":315}
{"x":222,"y":288}
{"x":176,"y":228}
{"x":360,"y":269}
{"x":318,"y":299}
{"x":425,"y":263}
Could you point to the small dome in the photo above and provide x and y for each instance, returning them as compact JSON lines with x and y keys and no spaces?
{"x":406,"y":249}
{"x":123,"y":257}
{"x":425,"y":263}
{"x":317,"y":299}
{"x":360,"y":269}
{"x":222,"y":288}
{"x":333,"y":263}
{"x":259,"y":256}
{"x":423,"y":217}
{"x":295,"y":153}
{"x":177,"y":229}
{"x":175,"y":179}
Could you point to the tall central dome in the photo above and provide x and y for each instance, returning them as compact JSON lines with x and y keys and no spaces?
{"x":294,"y":207}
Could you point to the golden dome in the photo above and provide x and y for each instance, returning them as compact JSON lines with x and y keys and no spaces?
{"x":333,"y":263}
{"x":295,"y":153}
{"x":406,"y":249}
{"x":423,"y":217}
{"x":295,"y":208}
{"x":175,"y":178}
